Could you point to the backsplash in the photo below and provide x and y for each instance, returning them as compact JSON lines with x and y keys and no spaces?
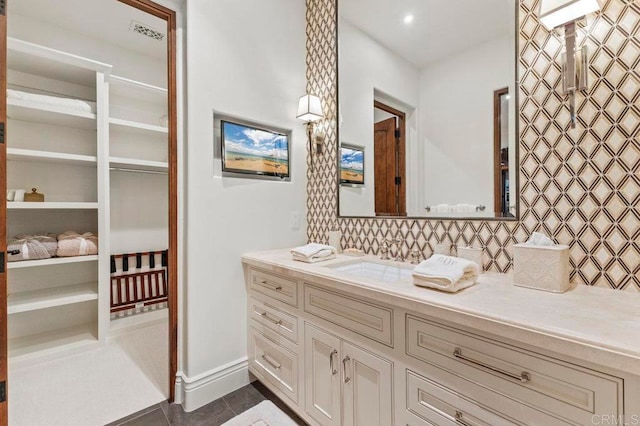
{"x":581,"y":186}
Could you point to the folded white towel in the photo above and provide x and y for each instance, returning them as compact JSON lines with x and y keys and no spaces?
{"x":69,"y":103}
{"x":446,"y":273}
{"x":312,"y":253}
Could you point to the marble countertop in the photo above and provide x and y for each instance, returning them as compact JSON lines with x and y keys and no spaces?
{"x":587,"y":323}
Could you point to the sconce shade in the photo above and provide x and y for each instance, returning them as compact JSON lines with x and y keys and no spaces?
{"x":310,"y":108}
{"x":554,"y":13}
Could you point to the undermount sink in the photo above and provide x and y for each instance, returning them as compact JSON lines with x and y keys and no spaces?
{"x":379,"y":271}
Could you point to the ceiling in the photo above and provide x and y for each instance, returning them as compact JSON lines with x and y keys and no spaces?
{"x":107,"y":20}
{"x":439,"y":29}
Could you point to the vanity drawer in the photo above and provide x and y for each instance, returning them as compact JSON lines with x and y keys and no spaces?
{"x":274,"y":363}
{"x":568,"y":392}
{"x":277,"y":287}
{"x":274,"y":319}
{"x":440,"y":405}
{"x":369,"y":320}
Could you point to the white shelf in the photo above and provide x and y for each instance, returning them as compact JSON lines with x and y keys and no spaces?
{"x":51,"y":342}
{"x":127,"y":88}
{"x":51,"y":297}
{"x":138,"y":165}
{"x":51,"y":262}
{"x":51,"y":206}
{"x":34,"y":112}
{"x":137,"y":127}
{"x":55,"y":64}
{"x":15,"y":154}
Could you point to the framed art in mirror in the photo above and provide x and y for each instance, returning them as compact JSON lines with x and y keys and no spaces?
{"x":352,"y":165}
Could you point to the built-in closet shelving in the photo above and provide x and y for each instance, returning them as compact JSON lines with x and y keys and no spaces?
{"x":138,"y":154}
{"x":82,"y":161}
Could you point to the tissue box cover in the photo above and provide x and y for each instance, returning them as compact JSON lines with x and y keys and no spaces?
{"x":542,"y":268}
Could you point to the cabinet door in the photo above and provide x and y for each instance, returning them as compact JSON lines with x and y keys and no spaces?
{"x":322,"y":375}
{"x":367,"y":385}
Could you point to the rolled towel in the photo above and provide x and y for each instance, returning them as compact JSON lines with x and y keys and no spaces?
{"x":72,"y":244}
{"x":312,"y":253}
{"x":32,"y":247}
{"x":446,"y":273}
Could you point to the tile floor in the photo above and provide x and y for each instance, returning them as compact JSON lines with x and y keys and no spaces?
{"x":213,"y":414}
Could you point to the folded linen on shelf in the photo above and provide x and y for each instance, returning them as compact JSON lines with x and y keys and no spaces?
{"x":72,"y":244}
{"x":68,"y":103}
{"x":312,"y":253}
{"x":32,"y":247}
{"x":446,"y":273}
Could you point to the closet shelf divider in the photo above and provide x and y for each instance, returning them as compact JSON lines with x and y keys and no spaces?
{"x":52,"y":206}
{"x":134,"y":126}
{"x":51,"y":262}
{"x":51,"y":297}
{"x":17,"y":154}
{"x":138,"y":165}
{"x":34,"y":112}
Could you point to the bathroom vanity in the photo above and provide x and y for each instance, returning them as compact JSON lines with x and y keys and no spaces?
{"x":354,"y":342}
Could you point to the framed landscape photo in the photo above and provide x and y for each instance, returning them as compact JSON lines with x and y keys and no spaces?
{"x":250,"y":150}
{"x":351,"y":165}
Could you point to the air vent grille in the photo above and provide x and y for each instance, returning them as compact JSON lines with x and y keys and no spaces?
{"x":147,"y":31}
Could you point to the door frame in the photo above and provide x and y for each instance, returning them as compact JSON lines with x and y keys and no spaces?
{"x":4,"y":406}
{"x":169,"y":16}
{"x":401,"y":161}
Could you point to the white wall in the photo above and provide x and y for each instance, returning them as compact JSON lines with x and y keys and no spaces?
{"x":366,"y":67}
{"x":247,"y":59}
{"x":456,"y":125}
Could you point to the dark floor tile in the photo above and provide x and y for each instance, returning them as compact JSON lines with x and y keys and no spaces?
{"x":243,"y":399}
{"x":135,"y":415}
{"x":216,"y":411}
{"x":153,"y":418}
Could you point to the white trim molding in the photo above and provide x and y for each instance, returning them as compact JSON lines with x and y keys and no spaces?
{"x":194,"y":392}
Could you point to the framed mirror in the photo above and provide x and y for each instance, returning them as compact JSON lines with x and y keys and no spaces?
{"x":428,"y":95}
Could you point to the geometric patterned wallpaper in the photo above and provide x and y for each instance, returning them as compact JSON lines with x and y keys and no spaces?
{"x":581,"y":186}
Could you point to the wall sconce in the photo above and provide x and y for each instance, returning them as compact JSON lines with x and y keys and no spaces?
{"x":556,"y":13}
{"x":310,"y":111}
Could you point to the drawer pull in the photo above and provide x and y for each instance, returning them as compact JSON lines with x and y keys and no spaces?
{"x":270,"y":362}
{"x":276,"y":288}
{"x":331,"y":364}
{"x":271,"y":320}
{"x":524,"y":377}
{"x":347,"y":379}
{"x":460,"y":419}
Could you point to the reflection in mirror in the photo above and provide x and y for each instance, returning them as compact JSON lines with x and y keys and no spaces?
{"x":428,"y":107}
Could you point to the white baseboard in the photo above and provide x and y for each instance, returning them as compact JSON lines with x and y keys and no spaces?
{"x":194,"y":392}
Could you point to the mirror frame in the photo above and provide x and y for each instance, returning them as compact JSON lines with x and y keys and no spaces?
{"x":516,"y":96}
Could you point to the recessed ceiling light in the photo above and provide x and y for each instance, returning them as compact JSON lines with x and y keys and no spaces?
{"x":408,"y":19}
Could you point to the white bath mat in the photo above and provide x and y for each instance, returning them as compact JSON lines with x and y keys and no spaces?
{"x":263,"y":414}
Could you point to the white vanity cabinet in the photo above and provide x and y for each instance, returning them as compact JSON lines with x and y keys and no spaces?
{"x":342,"y":351}
{"x":333,"y":368}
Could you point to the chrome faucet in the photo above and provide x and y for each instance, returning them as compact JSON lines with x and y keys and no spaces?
{"x":384,"y":250}
{"x":415,"y":256}
{"x":397,"y":242}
